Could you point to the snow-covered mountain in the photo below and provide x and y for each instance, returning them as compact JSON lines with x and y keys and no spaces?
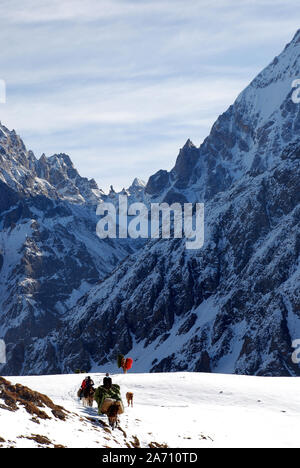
{"x":233,"y":306}
{"x":249,"y":136}
{"x":54,"y":177}
{"x":49,"y":251}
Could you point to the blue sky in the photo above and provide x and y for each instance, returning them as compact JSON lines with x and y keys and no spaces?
{"x":120,"y":85}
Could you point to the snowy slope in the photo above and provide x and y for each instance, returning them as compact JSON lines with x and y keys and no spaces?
{"x":180,"y":410}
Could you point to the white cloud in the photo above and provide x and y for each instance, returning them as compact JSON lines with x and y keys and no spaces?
{"x":116,"y":104}
{"x":129,"y":77}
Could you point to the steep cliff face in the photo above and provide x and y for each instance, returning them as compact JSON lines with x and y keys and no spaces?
{"x":232,"y":307}
{"x":249,"y":136}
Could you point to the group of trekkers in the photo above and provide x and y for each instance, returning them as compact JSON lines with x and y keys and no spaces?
{"x":107,"y":395}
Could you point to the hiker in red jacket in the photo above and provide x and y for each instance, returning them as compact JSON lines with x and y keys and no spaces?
{"x":87,"y":383}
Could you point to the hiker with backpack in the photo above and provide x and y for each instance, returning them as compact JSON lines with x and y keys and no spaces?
{"x":107,"y":381}
{"x":106,"y":396}
{"x":86,"y":385}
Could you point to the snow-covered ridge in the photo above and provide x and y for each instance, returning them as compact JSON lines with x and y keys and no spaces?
{"x":54,"y":176}
{"x":249,"y":136}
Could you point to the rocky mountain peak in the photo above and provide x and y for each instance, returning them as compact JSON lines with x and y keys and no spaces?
{"x":62,"y":160}
{"x":54,"y":176}
{"x":137,"y":189}
{"x":138,"y":183}
{"x":249,"y":136}
{"x":185,"y":163}
{"x":189,"y":144}
{"x":296,"y":38}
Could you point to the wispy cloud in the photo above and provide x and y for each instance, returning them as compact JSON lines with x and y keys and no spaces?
{"x":123,"y":83}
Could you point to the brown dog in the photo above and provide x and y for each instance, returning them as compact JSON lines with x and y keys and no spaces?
{"x":129,"y":398}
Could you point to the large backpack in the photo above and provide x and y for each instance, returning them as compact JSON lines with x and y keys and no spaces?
{"x":128,"y":364}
